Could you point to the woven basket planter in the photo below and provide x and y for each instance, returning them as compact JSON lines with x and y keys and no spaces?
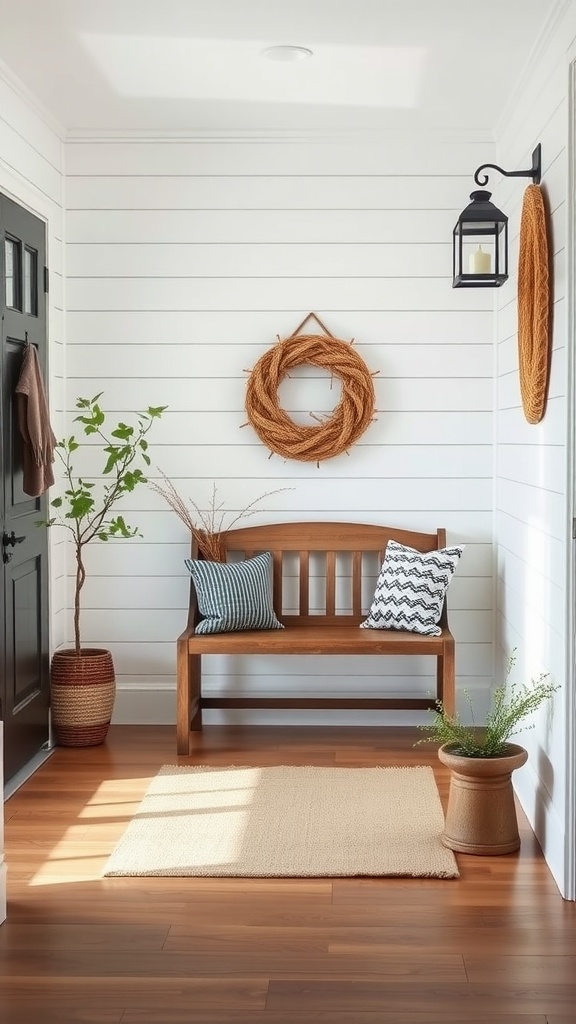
{"x":83,"y":689}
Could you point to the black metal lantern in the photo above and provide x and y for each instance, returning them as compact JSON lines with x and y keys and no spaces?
{"x":480,"y":245}
{"x":480,"y":236}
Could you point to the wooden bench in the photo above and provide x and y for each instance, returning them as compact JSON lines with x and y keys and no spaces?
{"x":309,"y":631}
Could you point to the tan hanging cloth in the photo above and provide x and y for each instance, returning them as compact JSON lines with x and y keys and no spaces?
{"x":534,"y":341}
{"x":34,"y":424}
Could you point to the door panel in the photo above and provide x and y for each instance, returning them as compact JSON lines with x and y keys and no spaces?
{"x":24,"y":675}
{"x":24,"y":679}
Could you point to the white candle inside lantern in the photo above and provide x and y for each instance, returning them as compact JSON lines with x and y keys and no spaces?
{"x":480,"y":262}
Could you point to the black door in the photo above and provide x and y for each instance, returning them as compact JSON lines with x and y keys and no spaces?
{"x":24,"y":681}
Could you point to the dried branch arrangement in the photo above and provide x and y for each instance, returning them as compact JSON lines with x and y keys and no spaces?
{"x":207,"y":525}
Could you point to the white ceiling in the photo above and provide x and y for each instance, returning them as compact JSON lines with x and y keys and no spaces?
{"x":196,"y":65}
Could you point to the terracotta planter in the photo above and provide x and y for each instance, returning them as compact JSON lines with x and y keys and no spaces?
{"x":82,"y":696}
{"x":481,"y":816}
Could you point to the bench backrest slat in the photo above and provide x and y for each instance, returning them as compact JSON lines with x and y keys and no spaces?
{"x":330,"y":583}
{"x":357,"y":583}
{"x":277,"y":578}
{"x":304,"y":583}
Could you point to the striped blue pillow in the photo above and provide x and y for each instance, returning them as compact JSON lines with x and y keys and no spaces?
{"x":235,"y":595}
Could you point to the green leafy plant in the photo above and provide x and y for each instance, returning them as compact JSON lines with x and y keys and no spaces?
{"x":510,"y":707}
{"x":85,"y":509}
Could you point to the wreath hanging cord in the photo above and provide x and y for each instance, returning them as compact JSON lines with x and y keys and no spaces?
{"x":341,"y":429}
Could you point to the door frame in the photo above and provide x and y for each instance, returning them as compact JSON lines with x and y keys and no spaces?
{"x":25,"y":583}
{"x":32,"y":200}
{"x":570,"y":682}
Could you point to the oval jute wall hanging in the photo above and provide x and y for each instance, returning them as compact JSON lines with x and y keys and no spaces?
{"x":533,"y":306}
{"x":341,"y":428}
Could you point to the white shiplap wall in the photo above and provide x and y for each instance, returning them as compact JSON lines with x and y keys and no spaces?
{"x":532,"y":480}
{"x":31,"y":173}
{"x":185,"y":259}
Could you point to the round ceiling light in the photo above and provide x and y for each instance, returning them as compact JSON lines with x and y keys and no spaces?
{"x":287,"y":53}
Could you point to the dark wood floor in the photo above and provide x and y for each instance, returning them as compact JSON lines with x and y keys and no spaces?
{"x":496,"y":946}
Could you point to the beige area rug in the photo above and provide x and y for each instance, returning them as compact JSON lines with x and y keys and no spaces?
{"x":286,"y":821}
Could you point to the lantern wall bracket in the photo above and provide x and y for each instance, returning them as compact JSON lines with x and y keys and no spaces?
{"x":534,"y":172}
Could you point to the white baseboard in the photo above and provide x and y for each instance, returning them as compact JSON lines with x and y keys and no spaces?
{"x":144,"y":707}
{"x":147,"y":706}
{"x":544,"y":820}
{"x":159,"y":708}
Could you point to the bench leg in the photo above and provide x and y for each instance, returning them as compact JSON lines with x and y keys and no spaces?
{"x":188,"y":697}
{"x":195,"y":671}
{"x":445,"y":678}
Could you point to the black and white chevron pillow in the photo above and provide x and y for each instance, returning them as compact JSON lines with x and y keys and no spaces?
{"x":411,"y":588}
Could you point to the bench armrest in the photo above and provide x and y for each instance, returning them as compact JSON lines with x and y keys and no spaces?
{"x":188,"y":632}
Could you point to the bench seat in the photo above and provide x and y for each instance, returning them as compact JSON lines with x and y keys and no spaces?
{"x":321,"y":639}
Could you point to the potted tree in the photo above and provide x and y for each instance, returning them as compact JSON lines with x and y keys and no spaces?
{"x":481,"y":814}
{"x":82,"y":679}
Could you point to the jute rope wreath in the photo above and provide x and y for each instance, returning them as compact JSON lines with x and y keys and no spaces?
{"x":533,"y":306}
{"x":338,"y":431}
